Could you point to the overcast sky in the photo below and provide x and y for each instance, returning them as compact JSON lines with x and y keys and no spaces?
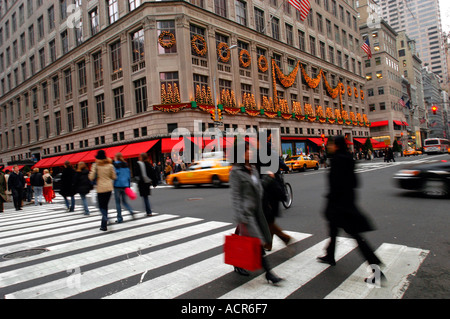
{"x":445,"y":12}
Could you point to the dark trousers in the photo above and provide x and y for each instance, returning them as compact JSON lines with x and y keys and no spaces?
{"x":17,"y":194}
{"x":363,"y":246}
{"x":103,"y":200}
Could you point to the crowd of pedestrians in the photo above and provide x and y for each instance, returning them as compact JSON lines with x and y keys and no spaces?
{"x":103,"y":178}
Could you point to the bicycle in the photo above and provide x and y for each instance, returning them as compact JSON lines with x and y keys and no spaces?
{"x":288,"y":191}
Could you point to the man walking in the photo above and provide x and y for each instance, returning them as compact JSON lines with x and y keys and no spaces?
{"x":2,"y":188}
{"x":16,"y":184}
{"x":37,"y":182}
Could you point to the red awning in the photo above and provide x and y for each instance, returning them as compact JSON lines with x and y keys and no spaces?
{"x":293,"y":139}
{"x":398,"y":123}
{"x":47,"y":162}
{"x":406,"y":124}
{"x":167,"y":144}
{"x":226,"y":142}
{"x":379,"y":124}
{"x":112,"y":151}
{"x":360,"y":140}
{"x":77,"y":158}
{"x":89,"y":157}
{"x":60,"y":161}
{"x":318,"y":141}
{"x":133,"y":150}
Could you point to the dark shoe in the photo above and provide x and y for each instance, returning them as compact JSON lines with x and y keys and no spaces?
{"x":103,"y":229}
{"x":270,"y":277}
{"x":119,"y":221}
{"x":327,"y":260}
{"x":149,"y":215}
{"x":241,"y":271}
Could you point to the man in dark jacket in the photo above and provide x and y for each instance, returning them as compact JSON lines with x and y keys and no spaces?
{"x":16,"y":184}
{"x":341,"y":211}
{"x":37,"y":182}
{"x":67,"y":186}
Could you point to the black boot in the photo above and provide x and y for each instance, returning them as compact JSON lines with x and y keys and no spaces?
{"x":327,"y":260}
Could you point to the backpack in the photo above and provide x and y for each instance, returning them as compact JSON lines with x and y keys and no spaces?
{"x":48,"y":180}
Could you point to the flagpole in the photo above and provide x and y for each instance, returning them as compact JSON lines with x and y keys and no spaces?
{"x":272,"y":16}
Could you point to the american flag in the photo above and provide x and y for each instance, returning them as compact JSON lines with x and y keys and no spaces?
{"x":402,"y":102}
{"x":303,"y":6}
{"x":366,"y":48}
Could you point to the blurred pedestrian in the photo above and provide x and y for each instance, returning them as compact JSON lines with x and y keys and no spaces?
{"x":246,"y":196}
{"x":37,"y":182}
{"x":67,"y":189}
{"x":8,"y":191}
{"x":49,"y":194}
{"x":147,"y":177}
{"x":29,"y":188}
{"x":341,"y":210}
{"x":82,"y":185}
{"x":122,"y":182}
{"x":103,"y":173}
{"x":2,"y":188}
{"x":16,"y":184}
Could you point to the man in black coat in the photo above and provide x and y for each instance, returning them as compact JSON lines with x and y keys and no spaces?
{"x":341,"y":210}
{"x":67,"y":186}
{"x":16,"y":184}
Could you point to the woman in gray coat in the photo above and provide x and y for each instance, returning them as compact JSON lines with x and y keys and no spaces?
{"x":246,"y":193}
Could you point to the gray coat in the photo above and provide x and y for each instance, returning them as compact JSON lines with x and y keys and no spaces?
{"x":246,"y":196}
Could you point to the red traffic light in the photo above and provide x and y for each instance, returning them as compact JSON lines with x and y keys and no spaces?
{"x":434,"y":108}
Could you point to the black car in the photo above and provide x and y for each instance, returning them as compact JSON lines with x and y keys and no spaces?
{"x":432,"y":179}
{"x":57,"y":182}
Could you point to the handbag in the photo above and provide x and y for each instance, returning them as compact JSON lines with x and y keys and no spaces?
{"x":243,"y":252}
{"x":130,"y":193}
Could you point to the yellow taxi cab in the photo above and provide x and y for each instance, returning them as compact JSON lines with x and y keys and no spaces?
{"x":301,"y":163}
{"x":411,"y":152}
{"x":211,"y":171}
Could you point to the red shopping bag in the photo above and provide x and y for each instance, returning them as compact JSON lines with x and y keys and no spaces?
{"x":130,"y":193}
{"x":243,"y":252}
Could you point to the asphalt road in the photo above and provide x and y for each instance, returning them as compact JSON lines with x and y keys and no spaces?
{"x":401,"y":217}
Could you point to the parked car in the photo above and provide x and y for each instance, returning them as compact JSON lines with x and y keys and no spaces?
{"x":212,"y":171}
{"x":301,"y":163}
{"x":57,"y":182}
{"x":431,"y":179}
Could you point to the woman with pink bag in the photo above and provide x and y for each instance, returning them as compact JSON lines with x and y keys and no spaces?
{"x":122,"y":186}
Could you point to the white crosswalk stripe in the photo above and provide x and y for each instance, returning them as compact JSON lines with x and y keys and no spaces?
{"x":167,"y":256}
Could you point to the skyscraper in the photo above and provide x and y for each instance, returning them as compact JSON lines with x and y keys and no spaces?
{"x":421,"y":19}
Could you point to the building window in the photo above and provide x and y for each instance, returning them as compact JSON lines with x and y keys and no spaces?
{"x":64,"y":42}
{"x":52,"y":47}
{"x":259,"y":20}
{"x":70,"y":119}
{"x":137,"y":46}
{"x":168,"y":26}
{"x":84,"y":114}
{"x":58,"y":123}
{"x":312,"y":45}
{"x":276,"y":28}
{"x":119,"y":102}
{"x":100,"y":102}
{"x":95,"y":23}
{"x":140,"y":90}
{"x":289,"y":34}
{"x":200,"y":81}
{"x":98,"y":66}
{"x":113,"y":10}
{"x":82,"y":81}
{"x":220,"y":7}
{"x":167,"y":78}
{"x":133,"y":4}
{"x":116,"y":57}
{"x":241,"y":12}
{"x":68,"y":81}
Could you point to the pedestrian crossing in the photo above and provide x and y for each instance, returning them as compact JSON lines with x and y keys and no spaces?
{"x":168,"y":256}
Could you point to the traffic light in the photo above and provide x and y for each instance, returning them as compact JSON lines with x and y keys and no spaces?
{"x":434,"y":108}
{"x":220,"y":116}
{"x":213,"y":115}
{"x":323,"y":138}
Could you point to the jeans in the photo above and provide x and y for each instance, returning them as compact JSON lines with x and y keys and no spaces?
{"x":148,"y":207}
{"x":38,"y":195}
{"x":29,"y":193}
{"x":85,"y":204}
{"x":120,"y":196}
{"x":70,"y":206}
{"x":103,"y":200}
